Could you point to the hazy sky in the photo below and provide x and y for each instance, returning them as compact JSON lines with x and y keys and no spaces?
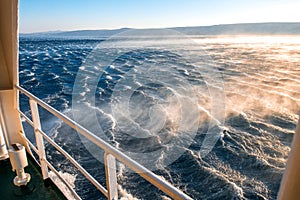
{"x":52,"y":15}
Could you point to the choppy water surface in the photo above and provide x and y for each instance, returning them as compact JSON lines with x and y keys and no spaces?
{"x":170,"y":107}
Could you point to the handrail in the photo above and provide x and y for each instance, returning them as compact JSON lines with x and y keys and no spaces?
{"x":25,"y":117}
{"x":75,"y":195}
{"x":30,"y":144}
{"x":75,"y":163}
{"x":154,"y":179}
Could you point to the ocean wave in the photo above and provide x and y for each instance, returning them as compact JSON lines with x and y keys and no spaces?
{"x":261,"y":84}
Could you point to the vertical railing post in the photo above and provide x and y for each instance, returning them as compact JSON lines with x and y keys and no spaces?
{"x":111,"y":176}
{"x":39,"y":137}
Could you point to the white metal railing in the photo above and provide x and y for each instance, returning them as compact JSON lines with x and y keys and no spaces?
{"x":110,"y":155}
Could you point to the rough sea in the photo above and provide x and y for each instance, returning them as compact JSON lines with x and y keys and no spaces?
{"x":213,"y":115}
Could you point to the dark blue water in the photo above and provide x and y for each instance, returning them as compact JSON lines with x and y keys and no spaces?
{"x":261,"y":97}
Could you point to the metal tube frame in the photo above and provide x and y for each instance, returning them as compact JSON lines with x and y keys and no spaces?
{"x":111,"y":153}
{"x":39,"y":138}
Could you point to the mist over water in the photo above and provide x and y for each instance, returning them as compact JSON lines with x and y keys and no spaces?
{"x":171,"y":107}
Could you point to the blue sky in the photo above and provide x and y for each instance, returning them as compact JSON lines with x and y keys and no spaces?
{"x":52,"y":15}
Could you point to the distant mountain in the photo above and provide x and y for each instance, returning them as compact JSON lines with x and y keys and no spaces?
{"x":92,"y":33}
{"x":75,"y":34}
{"x":243,"y":29}
{"x":225,"y":29}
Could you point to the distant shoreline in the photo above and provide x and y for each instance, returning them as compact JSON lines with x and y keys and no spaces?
{"x":274,"y":28}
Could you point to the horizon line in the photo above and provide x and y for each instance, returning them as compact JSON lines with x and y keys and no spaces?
{"x":107,"y":29}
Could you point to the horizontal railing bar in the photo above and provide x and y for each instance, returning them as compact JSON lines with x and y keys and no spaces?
{"x":30,"y":144}
{"x":32,"y":147}
{"x":75,"y":163}
{"x":155,"y":180}
{"x":63,"y":180}
{"x":51,"y":167}
{"x":25,"y":117}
